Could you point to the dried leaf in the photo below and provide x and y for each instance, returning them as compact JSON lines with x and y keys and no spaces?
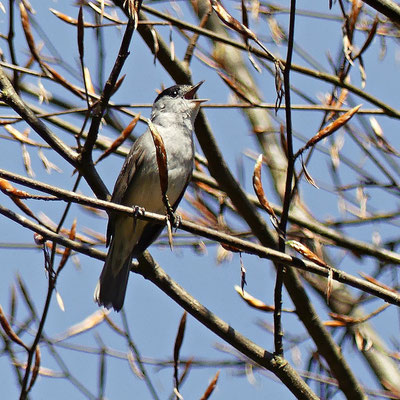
{"x":235,"y":87}
{"x":42,"y":371}
{"x":252,"y":301}
{"x":104,"y":14}
{"x":380,"y":139}
{"x":88,"y":323}
{"x":7,"y":188}
{"x":94,"y":211}
{"x":9,"y":331}
{"x":60,"y":301}
{"x":35,"y":369}
{"x":134,"y":367}
{"x":334,"y":324}
{"x":15,"y":133}
{"x":43,"y":94}
{"x":349,"y":320}
{"x":255,"y":9}
{"x":29,"y":7}
{"x":120,"y":139}
{"x":88,"y":81}
{"x":80,"y":33}
{"x":64,"y":17}
{"x":156,"y":45}
{"x":276,"y":32}
{"x":169,"y":232}
{"x":118,"y":84}
{"x":334,"y":153}
{"x":233,"y":23}
{"x":257,"y":185}
{"x":223,"y":255}
{"x":161,"y":155}
{"x":67,"y":250}
{"x":230,"y":248}
{"x":370,"y":37}
{"x":171,"y":44}
{"x":362,"y":198}
{"x":309,"y":178}
{"x":177,"y":347}
{"x":73,"y":21}
{"x":347,"y":48}
{"x":185,"y":372}
{"x":337,"y":103}
{"x":200,"y":248}
{"x":279,"y":85}
{"x":210,"y":387}
{"x":376,"y":282}
{"x":62,"y":81}
{"x":306,"y":252}
{"x":363,"y":74}
{"x":99,"y":237}
{"x":356,"y":6}
{"x":254,"y":62}
{"x":245,"y":18}
{"x":331,"y":128}
{"x":27,"y":161}
{"x":48,"y":165}
{"x":16,"y":194}
{"x":26,"y":26}
{"x":329,"y":285}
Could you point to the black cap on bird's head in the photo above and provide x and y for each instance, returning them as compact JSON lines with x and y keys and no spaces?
{"x":181,"y":91}
{"x":177,"y":100}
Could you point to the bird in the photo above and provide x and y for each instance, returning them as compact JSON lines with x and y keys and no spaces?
{"x":138,"y":185}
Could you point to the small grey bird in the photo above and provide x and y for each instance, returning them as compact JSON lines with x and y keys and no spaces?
{"x":138,"y":184}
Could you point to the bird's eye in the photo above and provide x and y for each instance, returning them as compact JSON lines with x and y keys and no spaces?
{"x":175,"y":93}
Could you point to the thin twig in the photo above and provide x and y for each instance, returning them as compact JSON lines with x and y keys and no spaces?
{"x":99,"y":109}
{"x":278,"y":333}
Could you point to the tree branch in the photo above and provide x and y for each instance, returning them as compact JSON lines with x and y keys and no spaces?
{"x":152,"y":271}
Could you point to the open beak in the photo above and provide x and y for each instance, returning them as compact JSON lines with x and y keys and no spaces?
{"x":191,"y":93}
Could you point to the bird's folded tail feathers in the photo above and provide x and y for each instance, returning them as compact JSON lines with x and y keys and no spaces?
{"x":111,"y":287}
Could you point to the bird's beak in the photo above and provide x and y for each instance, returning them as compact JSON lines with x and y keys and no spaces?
{"x":192,"y":91}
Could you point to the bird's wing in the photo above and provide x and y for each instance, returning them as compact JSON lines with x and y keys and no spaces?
{"x":126,"y":177}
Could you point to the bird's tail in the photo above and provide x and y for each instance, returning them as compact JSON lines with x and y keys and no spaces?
{"x":111,"y":288}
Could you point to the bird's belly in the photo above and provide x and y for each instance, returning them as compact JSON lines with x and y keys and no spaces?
{"x":146,"y":191}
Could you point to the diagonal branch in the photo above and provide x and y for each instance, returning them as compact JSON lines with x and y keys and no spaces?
{"x":194,"y":228}
{"x":12,"y":99}
{"x":152,"y":271}
{"x":220,"y":171}
{"x":386,"y":7}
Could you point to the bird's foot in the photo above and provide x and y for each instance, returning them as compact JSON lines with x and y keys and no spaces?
{"x":175,"y":219}
{"x":138,"y":211}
